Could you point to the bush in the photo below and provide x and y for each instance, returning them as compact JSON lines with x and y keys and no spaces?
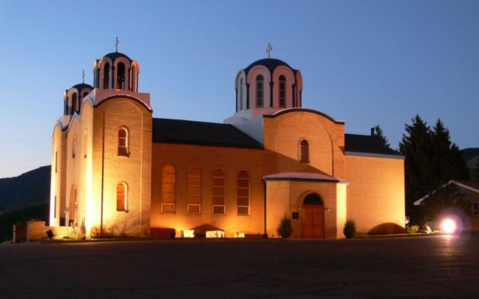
{"x":413,"y":229}
{"x":75,"y":233}
{"x":349,"y":229}
{"x":285,"y":229}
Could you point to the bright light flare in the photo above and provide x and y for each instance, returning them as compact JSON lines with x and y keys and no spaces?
{"x":449,"y":226}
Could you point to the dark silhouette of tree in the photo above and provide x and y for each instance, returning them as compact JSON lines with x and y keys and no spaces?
{"x":380,"y":137}
{"x":432,"y":160}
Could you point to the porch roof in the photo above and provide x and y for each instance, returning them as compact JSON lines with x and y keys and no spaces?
{"x":303,"y":177}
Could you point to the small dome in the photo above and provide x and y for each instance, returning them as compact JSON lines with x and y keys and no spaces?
{"x":115,"y":55}
{"x":270,"y":63}
{"x":82,"y":86}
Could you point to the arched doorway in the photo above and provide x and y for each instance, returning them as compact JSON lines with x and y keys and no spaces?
{"x":312,"y":217}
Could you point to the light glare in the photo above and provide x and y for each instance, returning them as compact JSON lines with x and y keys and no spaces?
{"x":448,"y":226}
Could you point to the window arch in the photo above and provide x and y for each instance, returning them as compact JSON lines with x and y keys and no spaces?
{"x":259,"y":91}
{"x":85,"y":94}
{"x":122,"y":197}
{"x":123,"y":142}
{"x":85,"y":143}
{"x":243,"y":193}
{"x":312,"y":199}
{"x":194,"y":191}
{"x":74,"y":103}
{"x":219,"y":192}
{"x":106,"y":75}
{"x":240,"y":94}
{"x":73,"y":206}
{"x":133,"y":74}
{"x":168,"y":189}
{"x":120,"y":76}
{"x":304,"y":151}
{"x":74,"y":146}
{"x":282,"y":91}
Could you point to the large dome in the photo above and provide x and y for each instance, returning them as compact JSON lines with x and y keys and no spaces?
{"x":270,"y":63}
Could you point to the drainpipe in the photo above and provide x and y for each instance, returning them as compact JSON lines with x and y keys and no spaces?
{"x":265,"y":235}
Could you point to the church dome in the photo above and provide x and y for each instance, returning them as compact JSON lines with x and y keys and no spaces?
{"x":116,"y":71}
{"x":115,"y":55}
{"x":73,"y":97}
{"x":270,"y":63}
{"x":268,"y":84}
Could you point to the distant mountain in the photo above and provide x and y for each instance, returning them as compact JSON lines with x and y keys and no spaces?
{"x":469,"y":153}
{"x":32,"y":187}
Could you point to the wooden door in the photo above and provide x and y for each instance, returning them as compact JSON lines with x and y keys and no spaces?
{"x":312,"y":221}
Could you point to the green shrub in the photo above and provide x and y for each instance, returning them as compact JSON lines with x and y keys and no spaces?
{"x":413,"y":229}
{"x":285,"y":229}
{"x":349,"y":228}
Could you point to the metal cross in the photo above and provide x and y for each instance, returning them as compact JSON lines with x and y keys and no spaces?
{"x":116,"y":43}
{"x":83,"y":77}
{"x":269,"y":49}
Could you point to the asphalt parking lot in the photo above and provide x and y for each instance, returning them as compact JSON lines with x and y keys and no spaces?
{"x":419,"y":267}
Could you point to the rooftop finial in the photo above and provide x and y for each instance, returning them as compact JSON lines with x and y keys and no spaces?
{"x":83,"y":76}
{"x":269,"y":49}
{"x":116,"y":44}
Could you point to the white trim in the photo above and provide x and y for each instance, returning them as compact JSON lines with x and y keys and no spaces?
{"x":371,"y":155}
{"x":420,"y":200}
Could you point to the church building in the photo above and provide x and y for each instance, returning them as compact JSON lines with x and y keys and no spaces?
{"x":119,"y":171}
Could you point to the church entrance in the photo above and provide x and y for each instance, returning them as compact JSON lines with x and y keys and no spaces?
{"x":312,"y":217}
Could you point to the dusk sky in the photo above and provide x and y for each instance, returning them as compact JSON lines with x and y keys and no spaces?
{"x":365,"y":62}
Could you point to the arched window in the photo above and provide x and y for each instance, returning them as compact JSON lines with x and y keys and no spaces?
{"x":312,"y":199}
{"x":120,"y":76}
{"x":74,"y":103}
{"x":194,"y":191}
{"x":168,"y":189}
{"x":74,"y":146}
{"x":85,"y":143}
{"x":240,"y":94}
{"x":85,"y":94}
{"x":106,"y":75}
{"x":304,"y":151}
{"x":73,"y":206}
{"x":123,"y":142}
{"x":56,"y":161}
{"x":243,"y":193}
{"x":259,"y":91}
{"x":122,"y":197}
{"x":282,"y":91}
{"x":219,"y":192}
{"x":133,"y":75}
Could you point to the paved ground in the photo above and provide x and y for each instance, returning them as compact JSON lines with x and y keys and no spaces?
{"x":420,"y":267}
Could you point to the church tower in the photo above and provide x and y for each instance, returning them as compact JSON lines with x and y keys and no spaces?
{"x":101,"y":174}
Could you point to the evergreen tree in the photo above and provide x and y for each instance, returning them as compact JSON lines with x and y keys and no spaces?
{"x":417,"y":146}
{"x":380,"y":137}
{"x":432,"y":160}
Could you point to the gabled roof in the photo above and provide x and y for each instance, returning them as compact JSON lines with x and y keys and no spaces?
{"x":201,"y":133}
{"x":367,"y":144}
{"x":467,"y":185}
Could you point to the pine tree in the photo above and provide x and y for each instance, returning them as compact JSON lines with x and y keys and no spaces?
{"x":417,"y":146}
{"x":476,"y":170}
{"x":380,"y":137}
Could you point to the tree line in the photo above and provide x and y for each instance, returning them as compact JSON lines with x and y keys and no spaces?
{"x":432,"y":160}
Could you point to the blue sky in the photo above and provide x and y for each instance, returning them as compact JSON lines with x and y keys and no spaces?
{"x":365,"y":62}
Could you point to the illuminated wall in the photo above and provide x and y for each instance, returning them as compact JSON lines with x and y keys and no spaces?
{"x":376,"y":198}
{"x":208,"y":158}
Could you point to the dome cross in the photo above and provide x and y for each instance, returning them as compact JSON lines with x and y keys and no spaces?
{"x":269,"y":49}
{"x":83,"y":76}
{"x":116,"y":44}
